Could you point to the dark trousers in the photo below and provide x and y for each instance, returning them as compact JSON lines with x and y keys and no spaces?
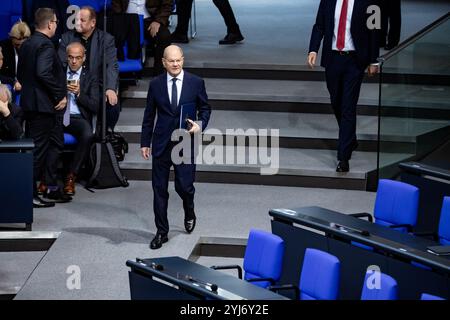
{"x":160,"y":42}
{"x":344,"y":78}
{"x":46,"y":130}
{"x":184,"y":186}
{"x":184,"y":9}
{"x":391,"y":22}
{"x":81,"y":129}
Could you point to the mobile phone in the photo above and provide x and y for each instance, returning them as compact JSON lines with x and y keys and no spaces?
{"x":72,"y":82}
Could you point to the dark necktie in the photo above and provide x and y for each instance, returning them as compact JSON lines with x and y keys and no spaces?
{"x":70,"y":98}
{"x":174,"y":102}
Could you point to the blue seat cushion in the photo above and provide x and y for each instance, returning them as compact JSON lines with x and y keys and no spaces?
{"x":444,"y":223}
{"x":130,"y":65}
{"x":69,"y":140}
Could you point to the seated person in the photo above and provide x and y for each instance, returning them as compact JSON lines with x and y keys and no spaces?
{"x":10,"y":47}
{"x":156,"y":23}
{"x":5,"y":79}
{"x":82,"y":105}
{"x":10,"y":116}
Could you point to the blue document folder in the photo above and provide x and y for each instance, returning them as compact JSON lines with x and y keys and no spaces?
{"x":188,"y":111}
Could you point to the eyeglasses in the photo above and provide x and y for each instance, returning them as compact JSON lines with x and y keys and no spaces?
{"x":74,"y":58}
{"x":55,"y":21}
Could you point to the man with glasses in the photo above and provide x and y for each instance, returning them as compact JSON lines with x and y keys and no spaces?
{"x":95,"y":41}
{"x":44,"y":101}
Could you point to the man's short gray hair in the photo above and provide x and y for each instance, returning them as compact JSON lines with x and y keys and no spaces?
{"x":5,"y":90}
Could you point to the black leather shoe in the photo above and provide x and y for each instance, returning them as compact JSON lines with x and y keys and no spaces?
{"x":57,"y":196}
{"x":389,"y":47}
{"x":158,"y":241}
{"x":39,"y":203}
{"x":189,"y":225}
{"x":179,"y":38}
{"x":232,"y":38}
{"x":343,"y":166}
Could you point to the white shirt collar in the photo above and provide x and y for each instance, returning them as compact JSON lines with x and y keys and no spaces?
{"x":78,"y":72}
{"x":179,"y":77}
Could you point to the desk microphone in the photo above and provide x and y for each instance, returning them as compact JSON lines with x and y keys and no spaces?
{"x":213,"y":286}
{"x":153,"y":265}
{"x":342,"y":228}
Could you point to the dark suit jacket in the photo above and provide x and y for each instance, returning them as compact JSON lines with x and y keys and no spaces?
{"x":11,"y":127}
{"x":365,"y":40}
{"x":193,"y":91}
{"x":41,"y":75}
{"x":9,"y":63}
{"x":160,"y":10}
{"x":99,"y":38}
{"x":88,"y":100}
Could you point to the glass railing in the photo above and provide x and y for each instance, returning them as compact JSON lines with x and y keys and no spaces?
{"x":414,"y":101}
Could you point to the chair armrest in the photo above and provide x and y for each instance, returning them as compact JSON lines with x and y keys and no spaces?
{"x":430,"y":234}
{"x":286,"y":287}
{"x":362,"y":215}
{"x":407,"y":226}
{"x":227,"y":267}
{"x":272,"y":281}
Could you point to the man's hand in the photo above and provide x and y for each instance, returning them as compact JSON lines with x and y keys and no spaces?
{"x":195,"y":127}
{"x":17,"y":86}
{"x":62,"y":104}
{"x":111,"y":97}
{"x":146,"y":152}
{"x":74,"y":88}
{"x":372,"y":70}
{"x":154,"y":28}
{"x":4,"y":110}
{"x":312,"y":56}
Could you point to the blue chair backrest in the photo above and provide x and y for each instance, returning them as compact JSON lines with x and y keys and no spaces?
{"x":396,"y":203}
{"x":96,"y":4}
{"x":444,"y":223}
{"x":386,"y":289}
{"x":320,"y":276}
{"x":263,"y":257}
{"x":426,"y":296}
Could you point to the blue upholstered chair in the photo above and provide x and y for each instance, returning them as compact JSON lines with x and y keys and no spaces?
{"x":426,"y":296}
{"x":69,"y":140}
{"x":396,"y":205}
{"x":319,"y":278}
{"x":387,"y":289}
{"x":133,"y":65}
{"x":263,"y":259}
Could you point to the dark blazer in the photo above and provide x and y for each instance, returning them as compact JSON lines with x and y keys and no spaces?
{"x":41,"y":75}
{"x":9,"y":63}
{"x":365,"y":40}
{"x":160,"y":10}
{"x":88,"y":100}
{"x":11,"y":127}
{"x":193,"y":91}
{"x":99,"y":38}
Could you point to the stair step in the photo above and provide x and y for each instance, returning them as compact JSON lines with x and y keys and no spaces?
{"x":297,"y":167}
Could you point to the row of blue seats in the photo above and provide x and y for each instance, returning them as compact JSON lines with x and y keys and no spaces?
{"x":320,"y":273}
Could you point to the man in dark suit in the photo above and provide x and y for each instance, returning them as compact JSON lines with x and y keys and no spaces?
{"x":82,"y":105}
{"x":43,"y":100}
{"x":94,"y":40}
{"x":167,"y":95}
{"x":184,"y":8}
{"x":349,"y":47}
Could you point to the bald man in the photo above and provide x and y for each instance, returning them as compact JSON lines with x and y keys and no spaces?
{"x":178,"y":98}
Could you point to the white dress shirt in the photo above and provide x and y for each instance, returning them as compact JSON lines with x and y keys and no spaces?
{"x":138,"y":6}
{"x":349,"y":46}
{"x":72,"y":100}
{"x":179,"y":85}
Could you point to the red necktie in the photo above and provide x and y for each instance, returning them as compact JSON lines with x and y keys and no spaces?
{"x":340,"y":43}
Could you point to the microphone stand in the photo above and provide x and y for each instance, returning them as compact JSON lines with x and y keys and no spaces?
{"x":103,"y":133}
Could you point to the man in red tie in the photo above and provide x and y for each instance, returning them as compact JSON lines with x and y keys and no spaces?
{"x":349,"y":47}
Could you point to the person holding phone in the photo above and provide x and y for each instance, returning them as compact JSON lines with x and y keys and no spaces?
{"x":171,"y":95}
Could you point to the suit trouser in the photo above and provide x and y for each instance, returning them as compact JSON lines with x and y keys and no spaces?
{"x":184,"y":186}
{"x":82,"y":131}
{"x":391,"y":22}
{"x":184,"y":9}
{"x":46,"y":130}
{"x":344,"y":78}
{"x":161,"y":41}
